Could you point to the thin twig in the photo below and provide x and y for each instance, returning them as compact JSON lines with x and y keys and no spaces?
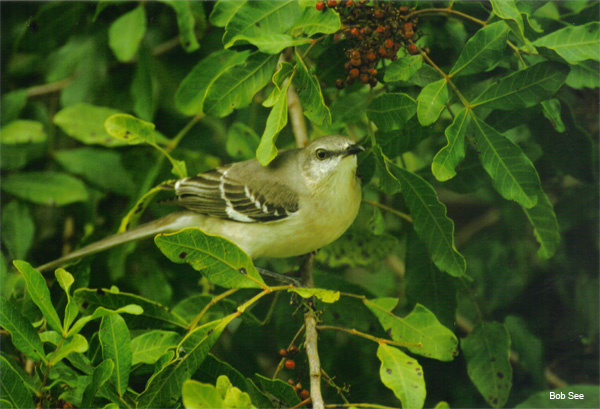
{"x":281,"y":362}
{"x":371,"y":337}
{"x":212,"y":302}
{"x":446,"y":11}
{"x":390,"y":209}
{"x":49,"y":87}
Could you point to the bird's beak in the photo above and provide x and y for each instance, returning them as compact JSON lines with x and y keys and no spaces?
{"x":353,"y":150}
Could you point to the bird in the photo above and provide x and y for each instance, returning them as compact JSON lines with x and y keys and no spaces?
{"x":301,"y":201}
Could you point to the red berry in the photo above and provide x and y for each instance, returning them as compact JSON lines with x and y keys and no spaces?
{"x":283,"y":352}
{"x":356,"y":63}
{"x":412,"y":49}
{"x":380,"y":29}
{"x":408,"y":26}
{"x":354,"y":32}
{"x":304,"y":394}
{"x":349,"y":3}
{"x":371,"y":56}
{"x":372,"y":72}
{"x":290,"y":364}
{"x":378,"y":14}
{"x":355,"y":55}
{"x":388,"y":43}
{"x":320,"y":5}
{"x":382,"y":52}
{"x":331,"y":3}
{"x":353,"y":73}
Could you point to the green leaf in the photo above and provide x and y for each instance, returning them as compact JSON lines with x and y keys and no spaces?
{"x":551,"y":110}
{"x":99,"y":167}
{"x":102,"y":373}
{"x":116,"y":346}
{"x":420,"y":326}
{"x":262,"y":23}
{"x":192,"y":91}
{"x":545,"y":225}
{"x":391,"y":111}
{"x":101,"y":312}
{"x":149,"y":347}
{"x":387,"y":183}
{"x":130,"y":129}
{"x":200,"y":395}
{"x":432,"y":225}
{"x":403,"y":375}
{"x":444,"y":163}
{"x":574,"y":43}
{"x":403,"y":68}
{"x":65,"y":346}
{"x":311,"y":96}
{"x":432,"y":101}
{"x":23,"y":131}
{"x":242,"y":141}
{"x":47,"y":188}
{"x":513,"y":174}
{"x":186,"y":23}
{"x":18,"y":229}
{"x":219,"y":260}
{"x":276,"y":121}
{"x":39,"y":293}
{"x":144,"y":87}
{"x":487,"y":351}
{"x":65,"y":280}
{"x":12,"y":387}
{"x":24,"y":337}
{"x":85,"y":123}
{"x":114,"y":300}
{"x":588,"y":397}
{"x":357,"y":247}
{"x":529,"y":348}
{"x":524,"y":88}
{"x":482,"y":51}
{"x":314,"y":22}
{"x":584,"y":75}
{"x":327,"y":296}
{"x":236,"y":87}
{"x":164,"y":388}
{"x":427,"y":285}
{"x":214,"y":367}
{"x":275,"y":43}
{"x":12,"y":104}
{"x":508,"y":11}
{"x":126,"y":33}
{"x":223,"y":11}
{"x":280,"y":389}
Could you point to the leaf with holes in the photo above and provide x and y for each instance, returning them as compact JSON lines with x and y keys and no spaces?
{"x":219,"y":260}
{"x":487,"y":351}
{"x":403,"y":375}
{"x":419,"y":327}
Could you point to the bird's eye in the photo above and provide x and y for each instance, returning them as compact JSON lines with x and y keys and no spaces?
{"x":321,"y":154}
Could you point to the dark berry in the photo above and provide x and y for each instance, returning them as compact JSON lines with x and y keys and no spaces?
{"x":364,"y":78}
{"x":371,"y":56}
{"x":347,"y":66}
{"x":382,"y":51}
{"x":355,"y":55}
{"x":412,"y":49}
{"x":378,"y":14}
{"x":340,"y":84}
{"x":304,"y":394}
{"x":403,"y":10}
{"x":373,"y":82}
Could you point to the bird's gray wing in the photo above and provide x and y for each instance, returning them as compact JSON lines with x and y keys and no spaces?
{"x":227,"y":193}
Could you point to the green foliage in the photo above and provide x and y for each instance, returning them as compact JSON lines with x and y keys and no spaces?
{"x":468,"y":279}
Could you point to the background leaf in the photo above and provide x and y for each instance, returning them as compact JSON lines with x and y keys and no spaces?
{"x":432,"y":101}
{"x":13,"y":389}
{"x":85,"y":122}
{"x":48,"y":188}
{"x":574,"y":44}
{"x":126,"y":33}
{"x":486,"y":351}
{"x":18,"y":229}
{"x":482,"y":51}
{"x":391,"y":111}
{"x":445,"y":162}
{"x":24,"y":336}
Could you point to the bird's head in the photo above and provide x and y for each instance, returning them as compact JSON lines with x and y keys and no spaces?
{"x":329,"y":156}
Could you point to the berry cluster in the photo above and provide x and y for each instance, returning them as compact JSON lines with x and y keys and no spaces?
{"x":374,"y":33}
{"x":290,"y":364}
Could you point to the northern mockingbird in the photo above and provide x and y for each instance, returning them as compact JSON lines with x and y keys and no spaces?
{"x":303,"y":200}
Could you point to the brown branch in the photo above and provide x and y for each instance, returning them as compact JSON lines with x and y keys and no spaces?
{"x":50,"y":87}
{"x":445,"y":12}
{"x":314,"y":363}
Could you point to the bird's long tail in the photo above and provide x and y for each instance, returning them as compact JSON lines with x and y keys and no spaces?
{"x":170,"y":223}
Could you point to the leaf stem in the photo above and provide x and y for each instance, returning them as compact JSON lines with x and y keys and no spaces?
{"x":175,"y":141}
{"x":358,"y":405}
{"x":212,"y":302}
{"x":389,"y":209}
{"x":446,"y":11}
{"x":371,"y":337}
